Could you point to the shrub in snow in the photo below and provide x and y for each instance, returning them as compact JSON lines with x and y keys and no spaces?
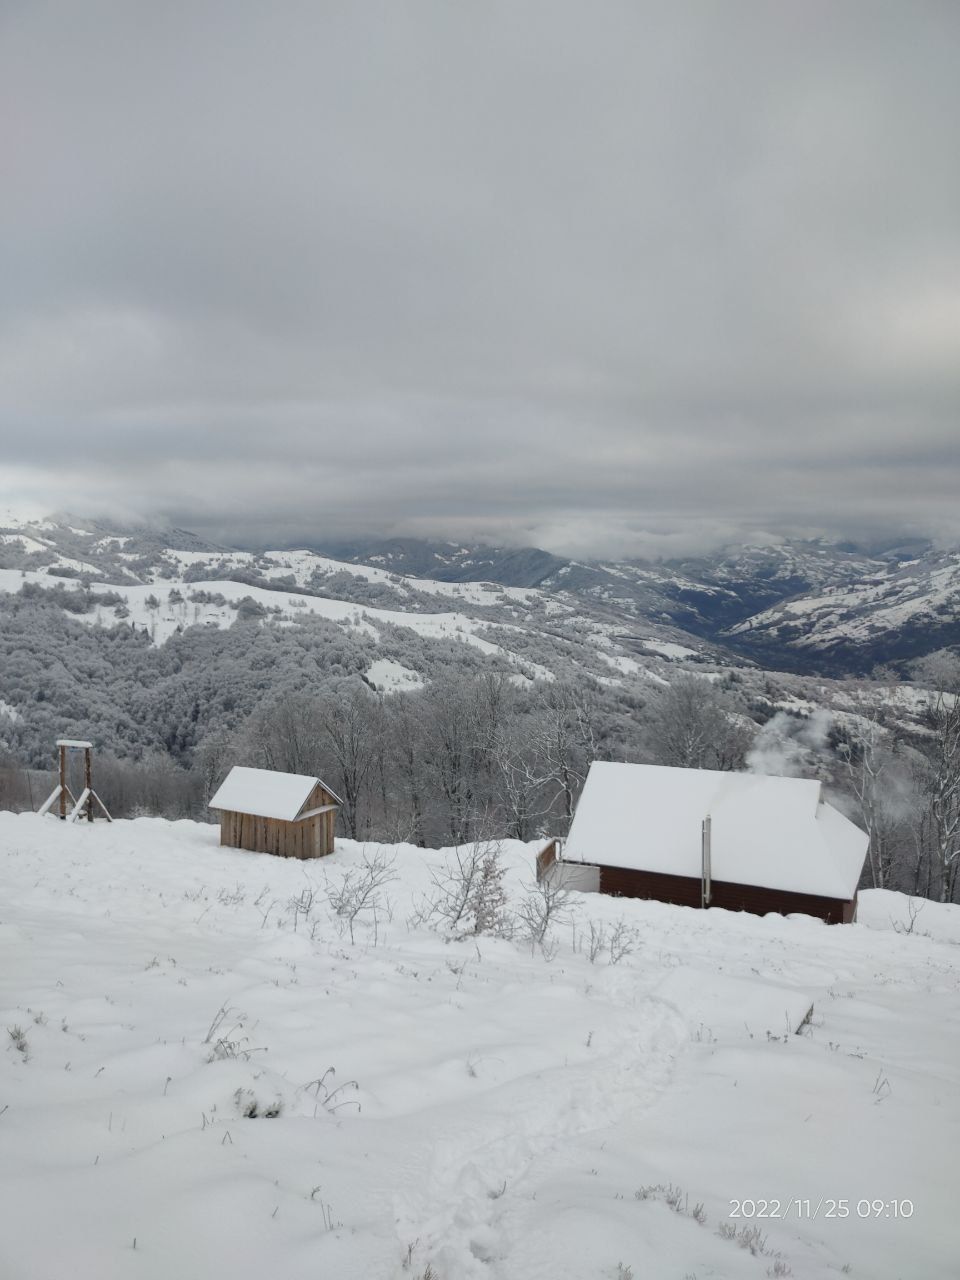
{"x":467,"y":896}
{"x":755,"y":1242}
{"x":18,"y":1038}
{"x":674,"y":1198}
{"x":329,"y":1096}
{"x":621,"y":941}
{"x":624,"y":939}
{"x":227,"y":1043}
{"x":489,"y":900}
{"x":542,"y":907}
{"x":360,"y":892}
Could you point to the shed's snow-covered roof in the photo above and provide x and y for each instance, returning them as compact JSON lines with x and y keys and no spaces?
{"x":265,"y":793}
{"x":772,"y":832}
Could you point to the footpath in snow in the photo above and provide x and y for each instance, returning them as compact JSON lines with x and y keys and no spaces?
{"x":202,"y":1075}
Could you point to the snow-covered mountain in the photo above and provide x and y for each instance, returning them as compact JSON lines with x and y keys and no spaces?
{"x":165,"y":583}
{"x":450,"y":561}
{"x":895,"y":610}
{"x":805,"y":606}
{"x":801,"y":605}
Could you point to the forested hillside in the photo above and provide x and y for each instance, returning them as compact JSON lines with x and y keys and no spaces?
{"x":438,"y":710}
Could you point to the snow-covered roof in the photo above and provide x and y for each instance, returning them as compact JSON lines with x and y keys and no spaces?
{"x":265,"y":793}
{"x":772,"y":832}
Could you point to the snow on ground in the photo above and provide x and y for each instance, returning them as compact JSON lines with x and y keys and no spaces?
{"x":28,"y":543}
{"x":16,"y":516}
{"x":518,"y":1117}
{"x":11,"y":580}
{"x":668,"y":649}
{"x":111,"y":542}
{"x":620,"y":662}
{"x":393,"y":677}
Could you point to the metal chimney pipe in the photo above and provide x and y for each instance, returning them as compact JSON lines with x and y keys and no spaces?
{"x":705,"y":888}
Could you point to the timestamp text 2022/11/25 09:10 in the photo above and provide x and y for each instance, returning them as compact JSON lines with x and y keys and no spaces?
{"x":823,"y":1207}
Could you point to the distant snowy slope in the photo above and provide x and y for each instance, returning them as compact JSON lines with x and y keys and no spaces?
{"x":803,"y":605}
{"x":165,"y":585}
{"x":901,"y":610}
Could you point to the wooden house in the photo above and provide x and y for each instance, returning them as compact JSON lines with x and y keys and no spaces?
{"x":288,"y":814}
{"x":701,"y":838}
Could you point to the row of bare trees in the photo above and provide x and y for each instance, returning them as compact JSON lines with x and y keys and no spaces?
{"x":477,"y":756}
{"x":469,"y":758}
{"x":906,"y":790}
{"x":460,"y":759}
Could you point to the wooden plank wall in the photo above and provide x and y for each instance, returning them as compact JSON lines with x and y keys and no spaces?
{"x":623,"y":882}
{"x":317,"y":797}
{"x":745,"y":897}
{"x":684,"y":891}
{"x":546,"y":858}
{"x":312,"y":838}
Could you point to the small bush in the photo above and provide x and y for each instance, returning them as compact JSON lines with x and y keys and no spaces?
{"x":19,"y":1039}
{"x":467,"y":896}
{"x":360,"y":892}
{"x":328,"y":1096}
{"x":542,"y":907}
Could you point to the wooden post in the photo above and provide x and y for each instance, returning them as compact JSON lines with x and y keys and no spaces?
{"x":63,"y":783}
{"x":63,"y":793}
{"x":88,"y":781}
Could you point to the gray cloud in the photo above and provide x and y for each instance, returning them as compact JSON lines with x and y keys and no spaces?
{"x":627,"y":277}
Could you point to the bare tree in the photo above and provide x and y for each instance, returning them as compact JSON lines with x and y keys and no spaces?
{"x":945,"y":792}
{"x":450,"y":748}
{"x":212,"y":758}
{"x":922,"y":829}
{"x":347,"y":724}
{"x":544,"y":905}
{"x":461,"y":721}
{"x":939,"y":830}
{"x":405,"y":752}
{"x":692,"y":725}
{"x":283,"y":735}
{"x":565,"y":741}
{"x":520,"y":782}
{"x":866,"y":757}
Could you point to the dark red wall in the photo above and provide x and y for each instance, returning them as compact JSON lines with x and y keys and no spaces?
{"x":684,"y":891}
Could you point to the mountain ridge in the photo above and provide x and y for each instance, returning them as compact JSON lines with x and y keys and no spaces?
{"x":808,"y":606}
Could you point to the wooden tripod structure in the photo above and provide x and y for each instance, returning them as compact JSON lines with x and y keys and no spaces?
{"x":62,"y":791}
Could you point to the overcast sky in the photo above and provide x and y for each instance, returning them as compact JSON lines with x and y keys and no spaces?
{"x":630,"y":277}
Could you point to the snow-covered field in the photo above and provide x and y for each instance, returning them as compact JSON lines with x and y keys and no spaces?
{"x":514,"y":1117}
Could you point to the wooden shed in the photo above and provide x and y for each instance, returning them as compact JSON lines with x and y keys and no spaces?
{"x":701,"y":838}
{"x":288,"y":814}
